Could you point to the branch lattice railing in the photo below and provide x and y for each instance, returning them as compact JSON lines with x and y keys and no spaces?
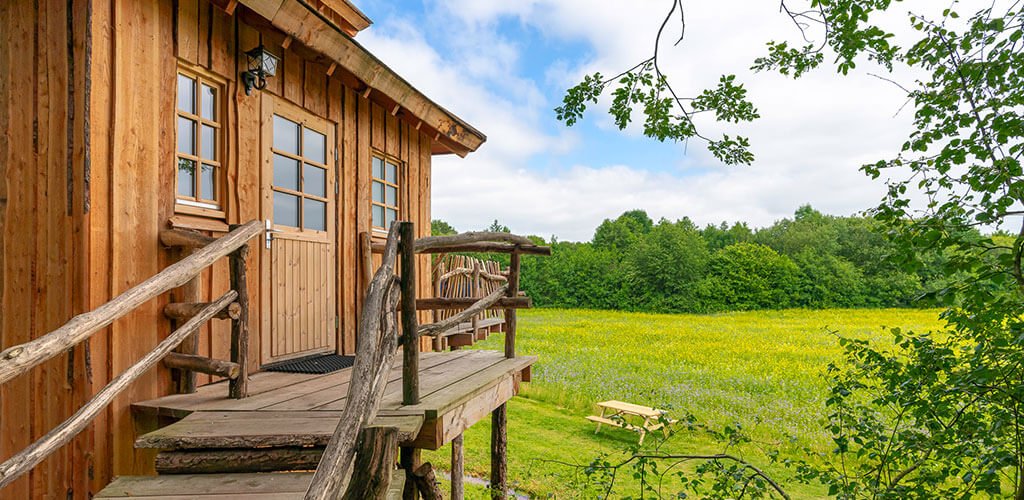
{"x":233,"y":305}
{"x":382,"y":332}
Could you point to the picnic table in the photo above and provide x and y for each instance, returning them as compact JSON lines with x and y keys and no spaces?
{"x":651,"y":418}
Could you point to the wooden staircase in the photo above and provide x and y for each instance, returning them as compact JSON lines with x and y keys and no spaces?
{"x":234,"y":454}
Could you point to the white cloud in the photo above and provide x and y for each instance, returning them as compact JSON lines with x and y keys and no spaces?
{"x":811,"y":140}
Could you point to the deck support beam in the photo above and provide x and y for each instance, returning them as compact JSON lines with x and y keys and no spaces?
{"x":375,"y":463}
{"x":409,"y":461}
{"x":458,"y":469}
{"x":499,"y":449}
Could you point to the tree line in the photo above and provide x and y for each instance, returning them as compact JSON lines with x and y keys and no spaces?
{"x":811,"y":260}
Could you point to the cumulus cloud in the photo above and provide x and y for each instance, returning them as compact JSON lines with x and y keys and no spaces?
{"x":814,"y":134}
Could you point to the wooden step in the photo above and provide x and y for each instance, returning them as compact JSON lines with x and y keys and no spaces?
{"x":261,"y":429}
{"x":272,"y":486}
{"x":238,"y":460}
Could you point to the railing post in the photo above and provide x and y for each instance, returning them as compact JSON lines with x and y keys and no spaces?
{"x":510,"y":314}
{"x":189,"y":292}
{"x":410,"y":338}
{"x":239,"y":387}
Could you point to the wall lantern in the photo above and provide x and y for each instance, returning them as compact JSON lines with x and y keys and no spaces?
{"x":262,"y":65}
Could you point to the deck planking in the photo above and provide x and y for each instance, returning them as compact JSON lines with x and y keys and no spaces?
{"x":303,"y":410}
{"x":257,"y":486}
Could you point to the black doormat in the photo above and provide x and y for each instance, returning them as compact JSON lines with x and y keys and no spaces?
{"x":315,"y":364}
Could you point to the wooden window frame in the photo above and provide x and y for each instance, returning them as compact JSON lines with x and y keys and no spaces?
{"x":305,"y":120}
{"x":196,"y":205}
{"x":400,"y":181}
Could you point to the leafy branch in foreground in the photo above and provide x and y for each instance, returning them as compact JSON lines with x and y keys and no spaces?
{"x":658,"y":474}
{"x":936,"y":415}
{"x":666,"y":115}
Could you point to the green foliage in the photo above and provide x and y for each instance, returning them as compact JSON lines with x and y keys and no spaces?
{"x":812,"y":260}
{"x":665,"y":265}
{"x":933,"y":417}
{"x":666,"y":115}
{"x":749,"y":276}
{"x":439,"y":227}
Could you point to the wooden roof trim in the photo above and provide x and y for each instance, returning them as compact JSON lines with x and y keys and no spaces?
{"x":350,"y":13}
{"x":306,"y":25}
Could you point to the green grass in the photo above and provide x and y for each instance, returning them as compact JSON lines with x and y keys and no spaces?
{"x":760,"y":369}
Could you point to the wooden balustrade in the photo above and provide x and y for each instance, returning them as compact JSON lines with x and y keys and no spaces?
{"x":232,"y":305}
{"x":23,"y":461}
{"x":375,"y":353}
{"x":18,"y":359}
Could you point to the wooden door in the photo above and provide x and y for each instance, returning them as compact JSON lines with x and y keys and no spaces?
{"x":299,"y":205}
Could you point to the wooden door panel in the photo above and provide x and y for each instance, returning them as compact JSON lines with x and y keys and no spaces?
{"x":298,"y":203}
{"x":302,"y":297}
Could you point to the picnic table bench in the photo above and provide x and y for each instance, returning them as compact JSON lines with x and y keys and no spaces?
{"x":652,"y":418}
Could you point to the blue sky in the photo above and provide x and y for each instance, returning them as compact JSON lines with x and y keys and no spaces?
{"x":503,"y":66}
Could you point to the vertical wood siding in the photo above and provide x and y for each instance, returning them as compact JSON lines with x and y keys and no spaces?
{"x":87,"y":182}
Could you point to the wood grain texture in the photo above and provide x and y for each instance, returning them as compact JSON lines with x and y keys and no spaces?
{"x":28,"y":458}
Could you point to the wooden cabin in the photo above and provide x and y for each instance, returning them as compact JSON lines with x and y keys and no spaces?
{"x":126,"y":121}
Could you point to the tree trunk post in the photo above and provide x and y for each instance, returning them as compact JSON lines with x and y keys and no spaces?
{"x":499,"y":447}
{"x":510,"y":314}
{"x":190,"y":292}
{"x":409,"y":461}
{"x":458,"y":469}
{"x":410,"y":336}
{"x":238,"y":388}
{"x":375,"y":464}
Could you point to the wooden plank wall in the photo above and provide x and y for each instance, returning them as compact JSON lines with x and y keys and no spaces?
{"x":88,"y":181}
{"x":42,"y":214}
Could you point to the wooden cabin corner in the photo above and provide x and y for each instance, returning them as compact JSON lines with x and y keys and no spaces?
{"x":192,"y":191}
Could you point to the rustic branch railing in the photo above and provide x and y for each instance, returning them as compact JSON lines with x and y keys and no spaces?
{"x":21,"y":358}
{"x":434,"y":329}
{"x":375,"y":353}
{"x":379,"y":340}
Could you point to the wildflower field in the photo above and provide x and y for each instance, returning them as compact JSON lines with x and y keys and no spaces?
{"x":762,"y":370}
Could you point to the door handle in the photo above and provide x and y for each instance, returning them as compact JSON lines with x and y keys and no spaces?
{"x":268,"y":233}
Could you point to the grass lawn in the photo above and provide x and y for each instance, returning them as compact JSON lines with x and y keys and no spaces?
{"x":759,"y":369}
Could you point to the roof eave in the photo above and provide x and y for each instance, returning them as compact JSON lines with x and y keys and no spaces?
{"x":307,"y":26}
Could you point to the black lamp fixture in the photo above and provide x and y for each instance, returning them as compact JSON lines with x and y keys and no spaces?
{"x":262,"y":65}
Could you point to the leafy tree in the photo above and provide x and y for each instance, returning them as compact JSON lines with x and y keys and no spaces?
{"x":439,"y":227}
{"x":496,"y":227}
{"x":664,"y":267}
{"x":940,"y":415}
{"x":748,"y":276}
{"x":723,"y":235}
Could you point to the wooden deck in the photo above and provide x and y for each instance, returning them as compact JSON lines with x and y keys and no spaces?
{"x":281,"y":486}
{"x":457,"y":389}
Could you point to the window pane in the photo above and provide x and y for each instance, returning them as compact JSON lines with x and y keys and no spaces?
{"x":186,"y":177}
{"x":314,"y":146}
{"x":207,"y":100}
{"x":392,"y":196}
{"x":186,"y":136}
{"x":390,"y":217}
{"x":286,"y":135}
{"x":286,"y":172}
{"x":207,"y":182}
{"x":392,"y":173}
{"x":378,"y":168}
{"x":314,"y":214}
{"x":286,"y":209}
{"x":186,"y":94}
{"x":378,"y":191}
{"x":378,"y":216}
{"x":208,"y":141}
{"x":314,"y":180}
